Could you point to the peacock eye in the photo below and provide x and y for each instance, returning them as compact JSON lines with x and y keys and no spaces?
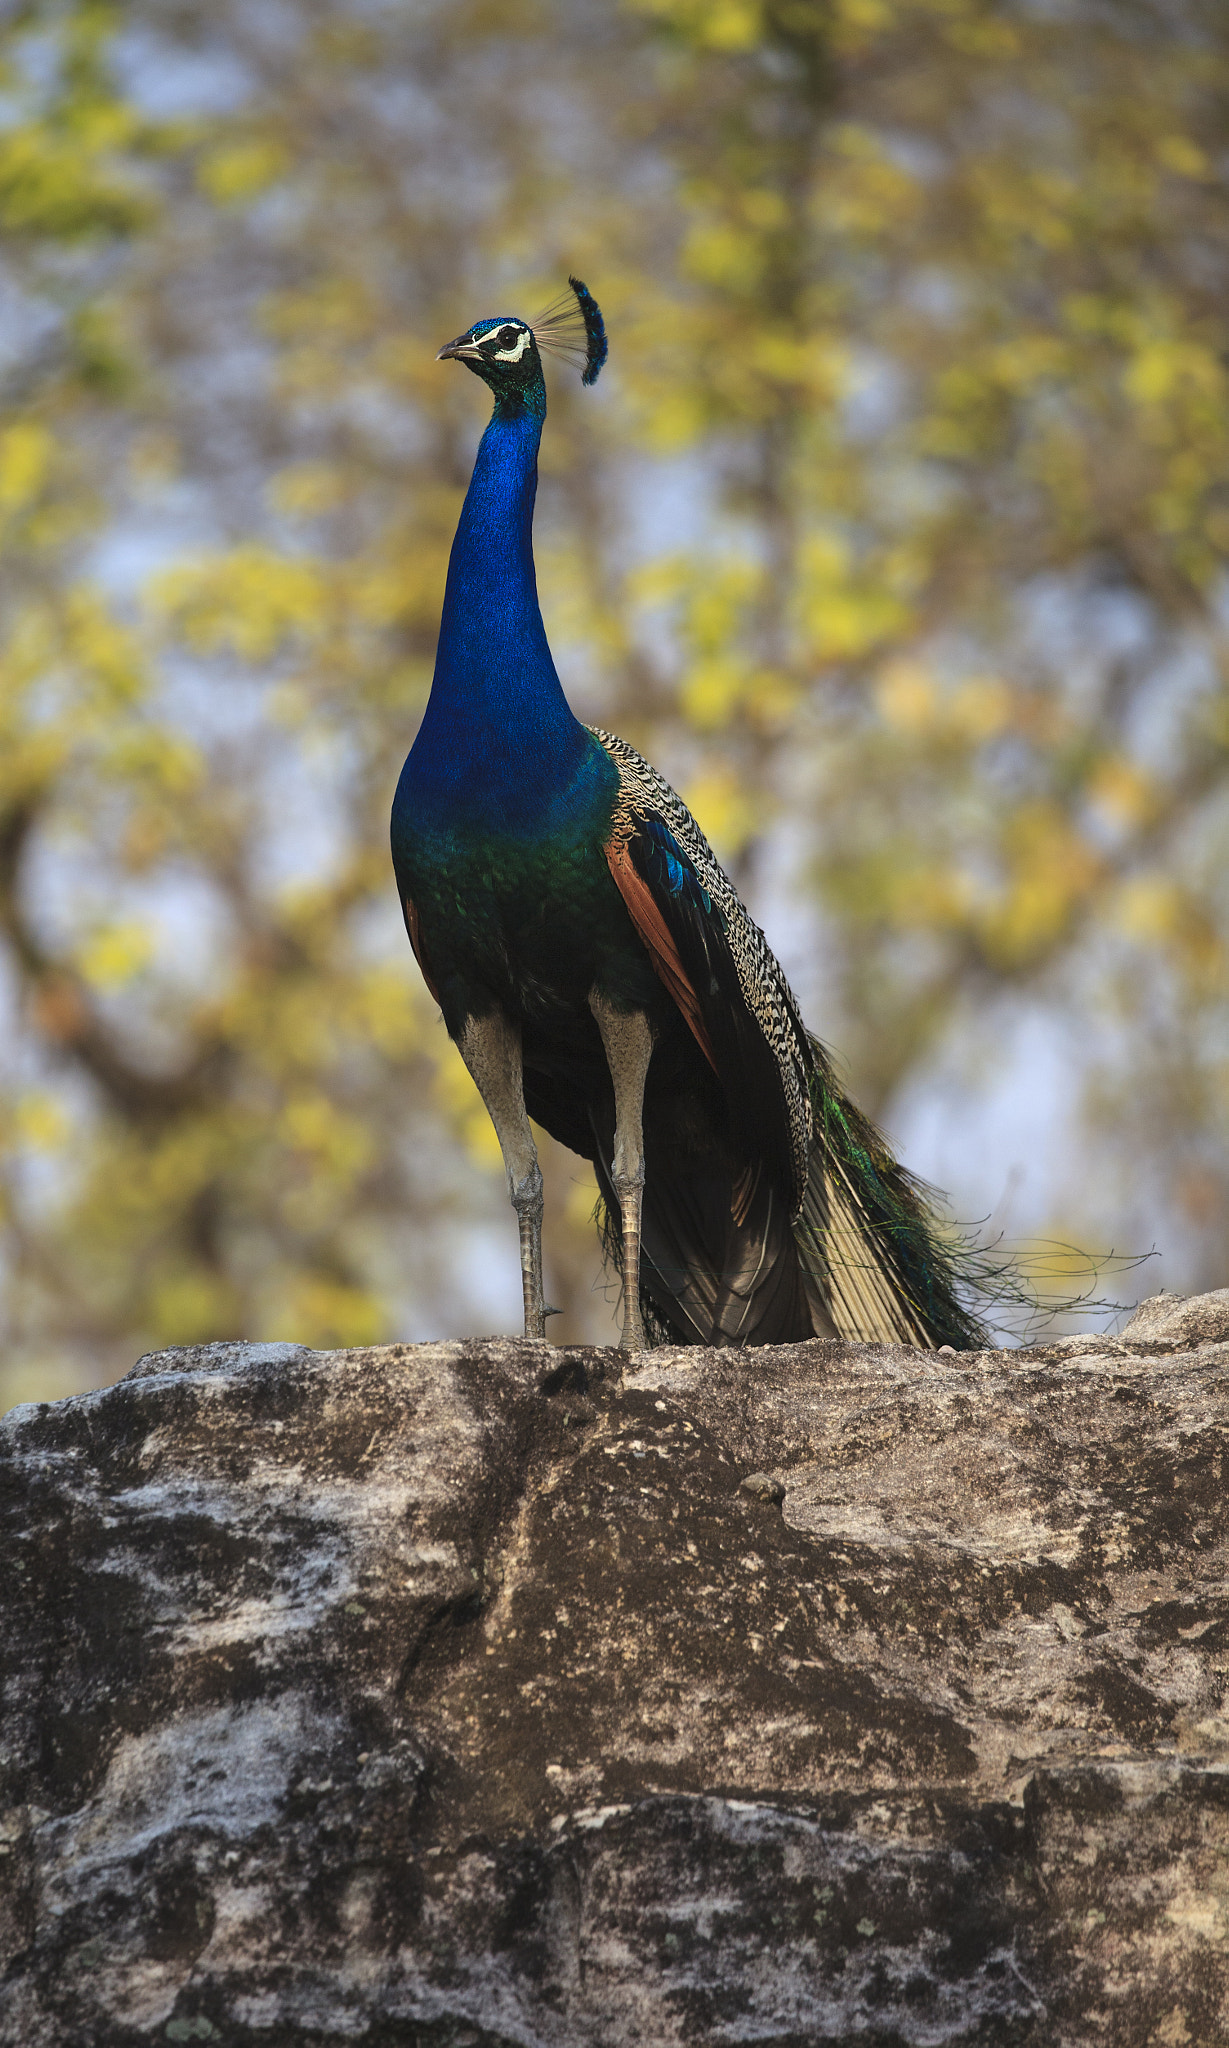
{"x":506,"y":337}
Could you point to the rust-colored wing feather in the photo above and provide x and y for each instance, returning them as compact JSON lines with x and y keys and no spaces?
{"x":662,"y":950}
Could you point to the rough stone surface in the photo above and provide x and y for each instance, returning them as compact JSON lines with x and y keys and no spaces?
{"x":465,"y":1694}
{"x":1176,"y":1320}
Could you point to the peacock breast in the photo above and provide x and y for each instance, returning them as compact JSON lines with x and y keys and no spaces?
{"x":515,"y":904}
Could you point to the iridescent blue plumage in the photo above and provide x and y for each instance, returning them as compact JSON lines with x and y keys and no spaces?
{"x":499,"y":750}
{"x":599,"y":973}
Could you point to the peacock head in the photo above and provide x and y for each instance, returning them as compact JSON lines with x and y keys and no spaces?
{"x":505,"y":352}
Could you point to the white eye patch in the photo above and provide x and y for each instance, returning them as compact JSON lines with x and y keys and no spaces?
{"x":513,"y":355}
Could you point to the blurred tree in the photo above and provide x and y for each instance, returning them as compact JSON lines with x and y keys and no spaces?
{"x":913,"y":563}
{"x":230,"y":473}
{"x":955,"y":283}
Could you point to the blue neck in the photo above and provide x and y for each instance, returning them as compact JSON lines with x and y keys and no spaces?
{"x":498,"y":746}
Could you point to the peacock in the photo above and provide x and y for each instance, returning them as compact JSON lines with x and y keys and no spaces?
{"x":600,"y":975}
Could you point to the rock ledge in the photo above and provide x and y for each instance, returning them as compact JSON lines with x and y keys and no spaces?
{"x":485,"y":1694}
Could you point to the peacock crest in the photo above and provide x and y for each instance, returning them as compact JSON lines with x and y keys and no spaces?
{"x":572,"y":328}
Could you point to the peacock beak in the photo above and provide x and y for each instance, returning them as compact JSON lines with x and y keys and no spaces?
{"x":466,"y":349}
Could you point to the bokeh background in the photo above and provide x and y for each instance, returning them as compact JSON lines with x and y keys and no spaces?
{"x":896,"y":534}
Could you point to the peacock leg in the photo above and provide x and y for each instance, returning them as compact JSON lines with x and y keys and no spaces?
{"x":628,"y":1039}
{"x":491,"y":1049}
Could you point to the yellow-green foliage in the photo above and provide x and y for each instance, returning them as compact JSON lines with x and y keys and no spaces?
{"x":919,"y":301}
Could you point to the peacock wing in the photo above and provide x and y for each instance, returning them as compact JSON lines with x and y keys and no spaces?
{"x":717,"y":965}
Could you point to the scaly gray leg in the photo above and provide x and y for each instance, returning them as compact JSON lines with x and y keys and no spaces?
{"x":628,"y":1039}
{"x":491,"y":1049}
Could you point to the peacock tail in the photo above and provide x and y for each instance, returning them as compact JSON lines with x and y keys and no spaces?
{"x":870,"y":1238}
